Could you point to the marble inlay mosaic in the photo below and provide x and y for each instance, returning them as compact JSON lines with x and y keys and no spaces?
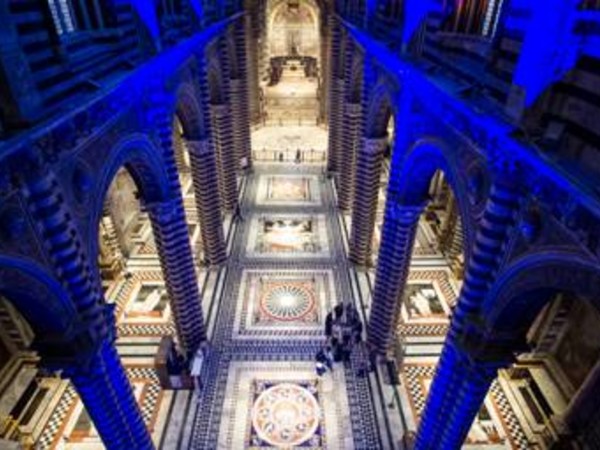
{"x":427,"y":303}
{"x":284,"y":405}
{"x":288,"y":190}
{"x":287,"y":302}
{"x":288,"y":235}
{"x":285,"y":415}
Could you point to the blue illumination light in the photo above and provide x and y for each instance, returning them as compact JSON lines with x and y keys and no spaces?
{"x":549,"y":49}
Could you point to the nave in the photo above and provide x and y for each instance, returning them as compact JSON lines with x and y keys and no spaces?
{"x":265,"y":313}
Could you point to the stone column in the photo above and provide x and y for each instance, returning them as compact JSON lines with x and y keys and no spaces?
{"x":240,"y":98}
{"x":175,"y":254}
{"x":478,"y":360}
{"x":108,"y":398}
{"x":336,"y":97}
{"x":206,"y":193}
{"x":368,"y":173}
{"x":399,"y":231}
{"x":96,"y":369}
{"x":224,"y":141}
{"x":490,"y":242}
{"x":350,"y":140}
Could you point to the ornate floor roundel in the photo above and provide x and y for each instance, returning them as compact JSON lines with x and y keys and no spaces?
{"x":286,"y":415}
{"x":288,"y":302}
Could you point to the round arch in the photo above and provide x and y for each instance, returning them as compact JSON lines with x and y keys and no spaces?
{"x":527,"y":285}
{"x":215,"y":81}
{"x":142,"y":160}
{"x":187,"y":109}
{"x":356,"y":77}
{"x":38,"y":297}
{"x":413,"y":171}
{"x":379,"y":112}
{"x":310,"y":6}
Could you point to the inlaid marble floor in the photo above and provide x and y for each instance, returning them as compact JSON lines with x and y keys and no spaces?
{"x":265,"y":313}
{"x":286,"y":271}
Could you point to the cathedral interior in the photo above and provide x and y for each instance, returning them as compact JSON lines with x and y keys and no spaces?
{"x":311,"y":224}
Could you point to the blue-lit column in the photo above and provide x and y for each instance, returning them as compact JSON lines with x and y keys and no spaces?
{"x":206,"y":193}
{"x":108,"y":398}
{"x":491,"y":240}
{"x":364,"y":209}
{"x":336,"y":97}
{"x":399,"y":231}
{"x":94,"y":366}
{"x":478,"y":359}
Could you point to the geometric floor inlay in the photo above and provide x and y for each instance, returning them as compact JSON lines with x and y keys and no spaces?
{"x":283,"y":302}
{"x":286,"y":415}
{"x":284,"y":405}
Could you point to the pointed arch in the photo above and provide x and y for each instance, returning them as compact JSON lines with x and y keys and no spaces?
{"x":527,"y":285}
{"x":38,"y":297}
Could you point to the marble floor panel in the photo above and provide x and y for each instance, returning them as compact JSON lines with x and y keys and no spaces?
{"x":142,"y":305}
{"x":284,"y":405}
{"x":273,"y":235}
{"x":288,"y":190}
{"x":427,"y":302}
{"x":290,"y":303}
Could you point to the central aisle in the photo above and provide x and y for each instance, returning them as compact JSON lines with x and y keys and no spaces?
{"x":286,"y":271}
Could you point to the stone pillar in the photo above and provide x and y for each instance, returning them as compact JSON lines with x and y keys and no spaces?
{"x":350,"y":140}
{"x":368,"y":173}
{"x":227,"y":160}
{"x":175,"y":254}
{"x":490,"y":242}
{"x":478,"y":369}
{"x":108,"y":398}
{"x":336,"y":97}
{"x":399,"y":231}
{"x":240,"y":98}
{"x":96,"y":369}
{"x":206,"y":193}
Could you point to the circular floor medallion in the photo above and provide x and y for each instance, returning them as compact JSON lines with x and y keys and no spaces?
{"x":285,"y":415}
{"x":288,"y":302}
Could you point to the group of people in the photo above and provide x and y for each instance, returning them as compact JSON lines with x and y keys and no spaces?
{"x":343,"y":331}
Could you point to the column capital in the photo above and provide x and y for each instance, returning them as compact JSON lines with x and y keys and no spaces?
{"x":404,"y":213}
{"x":339,"y":85}
{"x":352,"y":109}
{"x":163,"y":210}
{"x":220,"y":110}
{"x":199,"y":147}
{"x":236,"y":84}
{"x":484,"y":348}
{"x":374,"y":146}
